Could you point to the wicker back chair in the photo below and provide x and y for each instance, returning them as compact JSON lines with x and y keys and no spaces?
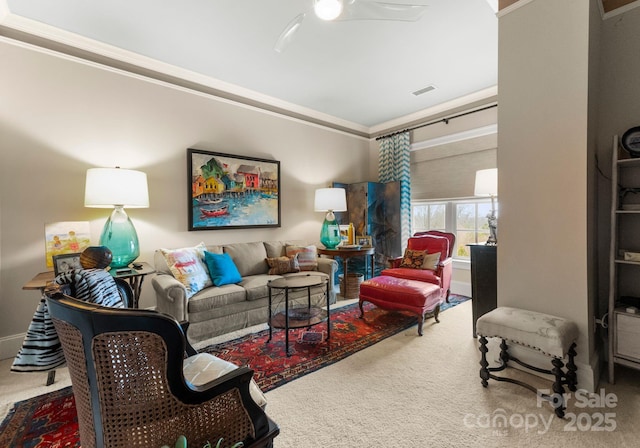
{"x":126,"y":368}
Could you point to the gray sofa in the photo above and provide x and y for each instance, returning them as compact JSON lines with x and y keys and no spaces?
{"x":217,"y":310}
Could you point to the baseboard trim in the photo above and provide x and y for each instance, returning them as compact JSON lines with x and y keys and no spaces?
{"x":10,"y":345}
{"x":462,"y":288}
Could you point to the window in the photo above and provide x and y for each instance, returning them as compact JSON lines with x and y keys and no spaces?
{"x":466,"y":218}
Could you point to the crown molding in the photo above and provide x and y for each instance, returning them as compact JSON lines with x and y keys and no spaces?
{"x":68,"y":44}
{"x":71,"y":44}
{"x":482,"y":96}
{"x":517,"y":5}
{"x":617,"y":11}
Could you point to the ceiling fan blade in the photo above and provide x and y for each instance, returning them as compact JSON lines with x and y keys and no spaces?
{"x":370,"y":10}
{"x":289,"y":31}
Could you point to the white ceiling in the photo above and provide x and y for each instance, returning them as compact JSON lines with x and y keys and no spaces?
{"x":357,"y":73}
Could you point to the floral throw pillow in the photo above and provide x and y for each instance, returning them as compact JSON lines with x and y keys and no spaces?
{"x":413,"y":259}
{"x":187,"y":266}
{"x":283,"y":265}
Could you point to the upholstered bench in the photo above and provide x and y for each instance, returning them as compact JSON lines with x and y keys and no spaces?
{"x":399,"y":294}
{"x":550,"y":335}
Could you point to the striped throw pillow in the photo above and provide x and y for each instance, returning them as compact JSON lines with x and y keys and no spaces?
{"x":307,"y":256}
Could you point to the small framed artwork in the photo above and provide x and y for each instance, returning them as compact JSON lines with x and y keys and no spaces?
{"x":364,"y":240}
{"x":67,"y":237}
{"x":66,"y":262}
{"x":232,"y":192}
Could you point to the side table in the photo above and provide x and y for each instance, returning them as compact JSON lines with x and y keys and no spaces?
{"x":345,"y":254}
{"x":135,"y":277}
{"x":299,"y":317}
{"x":39,"y":282}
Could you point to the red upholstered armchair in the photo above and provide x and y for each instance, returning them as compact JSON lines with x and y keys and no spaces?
{"x":432,"y":241}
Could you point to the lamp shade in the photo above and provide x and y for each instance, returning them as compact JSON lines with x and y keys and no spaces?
{"x":106,"y":187}
{"x":117,"y":188}
{"x":330,"y":199}
{"x":486,"y":182}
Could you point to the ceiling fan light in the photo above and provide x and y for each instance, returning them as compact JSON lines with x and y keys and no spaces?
{"x":327,"y":9}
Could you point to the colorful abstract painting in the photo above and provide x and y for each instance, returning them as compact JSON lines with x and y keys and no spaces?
{"x":229,"y":191}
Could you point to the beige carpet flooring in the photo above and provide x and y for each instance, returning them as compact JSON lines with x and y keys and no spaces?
{"x":411,"y":391}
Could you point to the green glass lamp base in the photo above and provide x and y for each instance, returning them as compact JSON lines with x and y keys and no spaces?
{"x":121,"y":238}
{"x":330,"y":232}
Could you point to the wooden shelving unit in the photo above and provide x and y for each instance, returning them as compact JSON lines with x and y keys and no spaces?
{"x":624,"y":327}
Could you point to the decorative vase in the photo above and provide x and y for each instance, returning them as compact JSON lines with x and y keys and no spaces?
{"x":96,"y":257}
{"x":330,"y":232}
{"x":121,"y":238}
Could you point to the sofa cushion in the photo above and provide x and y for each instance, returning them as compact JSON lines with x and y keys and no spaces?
{"x":215,"y":249}
{"x":283,"y":265}
{"x":413,"y":259}
{"x":307,"y":256}
{"x":423,"y":275}
{"x":278,"y":248}
{"x":221,"y":269}
{"x":256,"y":285}
{"x":216,"y":297}
{"x":274,"y":249}
{"x":249,"y":258}
{"x":187,"y":266}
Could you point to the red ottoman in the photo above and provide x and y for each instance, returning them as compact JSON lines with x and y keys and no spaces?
{"x":391,"y":293}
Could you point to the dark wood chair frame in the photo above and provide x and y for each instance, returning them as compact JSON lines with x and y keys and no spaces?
{"x":92,"y":320}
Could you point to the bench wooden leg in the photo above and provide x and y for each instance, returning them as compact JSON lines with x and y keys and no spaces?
{"x":558,"y":390}
{"x":572,"y":378}
{"x":484,"y":371}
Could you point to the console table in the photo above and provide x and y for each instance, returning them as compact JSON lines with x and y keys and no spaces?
{"x":133,"y":276}
{"x":345,"y":254}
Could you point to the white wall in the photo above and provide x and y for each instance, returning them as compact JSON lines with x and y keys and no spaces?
{"x":60,"y":116}
{"x":619,"y":104}
{"x":544,"y":86}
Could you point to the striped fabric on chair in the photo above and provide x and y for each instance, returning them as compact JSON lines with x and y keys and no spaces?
{"x":41,"y":350}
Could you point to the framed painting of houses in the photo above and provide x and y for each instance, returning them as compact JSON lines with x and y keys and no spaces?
{"x":227,"y":191}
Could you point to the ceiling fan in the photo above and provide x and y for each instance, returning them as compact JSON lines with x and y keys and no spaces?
{"x":335,"y":10}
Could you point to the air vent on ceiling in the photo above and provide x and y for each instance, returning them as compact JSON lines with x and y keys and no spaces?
{"x":424,"y":90}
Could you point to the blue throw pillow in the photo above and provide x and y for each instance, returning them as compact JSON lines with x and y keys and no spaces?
{"x":222,"y":269}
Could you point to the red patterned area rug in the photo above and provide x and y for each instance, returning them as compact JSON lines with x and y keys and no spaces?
{"x":50,"y":420}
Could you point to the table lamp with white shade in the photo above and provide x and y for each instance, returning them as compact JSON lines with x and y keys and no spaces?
{"x":117,"y":188}
{"x":487,"y":185}
{"x":330,"y":200}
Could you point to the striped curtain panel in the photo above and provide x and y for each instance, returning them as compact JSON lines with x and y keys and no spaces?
{"x":395,"y":165}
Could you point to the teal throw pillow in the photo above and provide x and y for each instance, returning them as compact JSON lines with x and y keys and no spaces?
{"x":222,"y":269}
